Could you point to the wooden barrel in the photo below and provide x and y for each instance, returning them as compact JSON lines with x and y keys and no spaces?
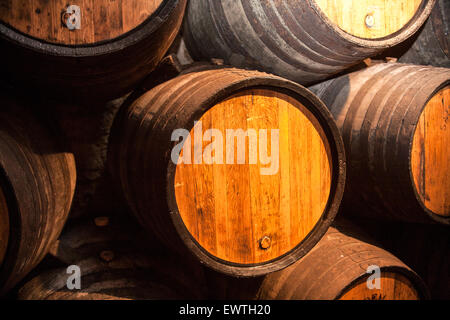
{"x":337,"y":269}
{"x":37,"y":183}
{"x":432,"y":45}
{"x":394,"y":119}
{"x":113,"y":266}
{"x":239,"y":211}
{"x":305,"y":41}
{"x":87,"y":49}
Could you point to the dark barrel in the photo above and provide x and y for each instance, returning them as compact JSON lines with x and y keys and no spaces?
{"x":344,"y":265}
{"x":305,"y":41}
{"x":86,"y":50}
{"x":337,"y":268}
{"x":239,"y":212}
{"x":394,"y":119}
{"x":432,"y":45}
{"x":37,"y":184}
{"x":113,"y":266}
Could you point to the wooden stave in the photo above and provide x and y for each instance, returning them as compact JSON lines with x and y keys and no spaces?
{"x":113,"y":60}
{"x":162,"y":225}
{"x":36,"y":218}
{"x":313,"y":283}
{"x":131,"y":274}
{"x":431,"y":46}
{"x":305,"y":66}
{"x":390,"y":193}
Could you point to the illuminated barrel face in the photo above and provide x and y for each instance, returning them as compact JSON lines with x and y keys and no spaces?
{"x":254,"y":178}
{"x":370,"y":19}
{"x":430,"y":154}
{"x":76,"y":22}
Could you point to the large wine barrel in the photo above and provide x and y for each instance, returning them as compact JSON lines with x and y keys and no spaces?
{"x":238,"y":213}
{"x":432,"y":46}
{"x":337,"y":268}
{"x":37,"y":182}
{"x":87,"y":49}
{"x":113,"y":266}
{"x":394,"y":119}
{"x":305,"y":41}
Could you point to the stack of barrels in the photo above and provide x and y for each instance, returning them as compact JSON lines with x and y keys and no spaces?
{"x":228,"y":162}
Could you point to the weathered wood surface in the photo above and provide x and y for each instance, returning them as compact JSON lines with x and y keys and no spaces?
{"x":115,"y":48}
{"x":38,"y":182}
{"x":100,"y":20}
{"x":283,"y":207}
{"x":370,"y":19}
{"x":231,"y":216}
{"x":430,"y":154}
{"x":297,"y":39}
{"x":395,"y":169}
{"x":336,"y":269}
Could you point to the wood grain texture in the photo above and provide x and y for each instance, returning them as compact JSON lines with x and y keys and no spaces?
{"x":430,"y":154}
{"x":378,"y":110}
{"x":100,"y":20}
{"x":393,"y":286}
{"x":229,"y":208}
{"x":217,"y":212}
{"x":389,"y":16}
{"x":337,"y":269}
{"x":4,"y":225}
{"x":41,"y":178}
{"x":93,"y":70}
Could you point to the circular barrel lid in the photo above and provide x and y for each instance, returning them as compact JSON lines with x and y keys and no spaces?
{"x":78,"y":22}
{"x":370,"y":19}
{"x":254,"y":177}
{"x":430,"y":154}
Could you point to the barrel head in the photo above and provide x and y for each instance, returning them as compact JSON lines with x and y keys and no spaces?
{"x":254,"y":178}
{"x":78,"y":22}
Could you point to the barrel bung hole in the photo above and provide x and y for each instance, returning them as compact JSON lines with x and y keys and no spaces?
{"x":370,"y":19}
